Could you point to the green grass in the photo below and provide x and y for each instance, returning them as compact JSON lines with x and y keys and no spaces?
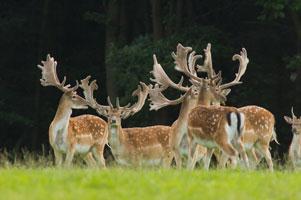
{"x":143,"y":184}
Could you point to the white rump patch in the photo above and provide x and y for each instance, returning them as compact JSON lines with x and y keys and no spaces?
{"x":231,"y":129}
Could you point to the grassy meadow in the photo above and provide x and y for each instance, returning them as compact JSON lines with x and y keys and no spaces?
{"x":118,"y":183}
{"x":33,"y":176}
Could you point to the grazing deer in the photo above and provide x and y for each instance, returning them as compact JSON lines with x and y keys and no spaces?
{"x":259,"y":131}
{"x":216,"y":127}
{"x":202,"y":91}
{"x":134,"y":146}
{"x":294,"y":149}
{"x":73,"y":135}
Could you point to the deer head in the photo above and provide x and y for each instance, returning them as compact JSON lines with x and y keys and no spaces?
{"x":70,"y":99}
{"x":114,"y":114}
{"x":294,"y":121}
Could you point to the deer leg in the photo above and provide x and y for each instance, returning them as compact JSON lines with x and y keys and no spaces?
{"x":253,"y":159}
{"x":223,"y":160}
{"x":243,"y":153}
{"x":218,"y":154}
{"x":58,"y":158}
{"x":70,"y":155}
{"x":229,"y":152}
{"x":90,"y":161}
{"x":207,"y":158}
{"x":98,"y":154}
{"x":177,"y":156}
{"x":191,"y":153}
{"x":292,"y":157}
{"x":176,"y":143}
{"x":167,"y":158}
{"x":196,"y":156}
{"x":264,"y":148}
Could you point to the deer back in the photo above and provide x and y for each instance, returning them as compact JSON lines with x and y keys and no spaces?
{"x":259,"y":124}
{"x":212,"y":121}
{"x":147,"y":136}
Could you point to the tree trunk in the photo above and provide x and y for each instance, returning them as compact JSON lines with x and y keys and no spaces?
{"x":124,"y":23}
{"x":157,"y":19}
{"x":36,"y":129}
{"x":179,"y":15}
{"x":112,"y":34}
{"x":296,"y":19}
{"x":189,"y":12}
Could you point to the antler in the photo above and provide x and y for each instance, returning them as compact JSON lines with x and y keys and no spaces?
{"x":49,"y":76}
{"x":158,"y":100}
{"x":207,"y":66}
{"x":180,"y":59}
{"x":141,"y":92}
{"x":243,"y":62}
{"x":126,"y":111}
{"x":160,"y":77}
{"x":293,"y":115}
{"x":88,"y":90}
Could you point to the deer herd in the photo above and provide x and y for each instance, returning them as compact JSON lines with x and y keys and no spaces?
{"x":204,"y":123}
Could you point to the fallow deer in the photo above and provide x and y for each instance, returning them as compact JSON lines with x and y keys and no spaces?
{"x":203,"y":91}
{"x":215,"y":127}
{"x":259,"y":121}
{"x":135,"y":146}
{"x":259,"y":131}
{"x":295,"y":146}
{"x":73,"y":135}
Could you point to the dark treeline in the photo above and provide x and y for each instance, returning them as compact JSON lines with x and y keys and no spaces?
{"x":114,"y":40}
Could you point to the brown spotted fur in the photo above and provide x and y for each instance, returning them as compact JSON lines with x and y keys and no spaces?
{"x":142,"y":144}
{"x":207,"y":123}
{"x":258,"y":131}
{"x":85,"y":130}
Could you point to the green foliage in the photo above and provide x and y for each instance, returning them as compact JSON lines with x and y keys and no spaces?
{"x":293,"y":62}
{"x":276,"y":9}
{"x":95,"y":16}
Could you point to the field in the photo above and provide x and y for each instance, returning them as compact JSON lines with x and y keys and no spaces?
{"x":117,"y":183}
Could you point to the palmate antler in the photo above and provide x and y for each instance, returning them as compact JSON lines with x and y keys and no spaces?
{"x":88,"y":90}
{"x":141,"y":92}
{"x":49,"y":76}
{"x":243,"y":62}
{"x":158,"y":100}
{"x":185,"y":62}
{"x":161,"y":78}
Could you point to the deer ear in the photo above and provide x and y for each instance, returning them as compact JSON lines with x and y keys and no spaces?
{"x":288,"y":119}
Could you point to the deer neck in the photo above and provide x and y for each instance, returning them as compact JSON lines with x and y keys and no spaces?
{"x":204,"y":99}
{"x":188,"y":104}
{"x":115,"y":138}
{"x":59,"y":126}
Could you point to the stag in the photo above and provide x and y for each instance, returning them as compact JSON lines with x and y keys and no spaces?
{"x":85,"y":134}
{"x":134,"y":146}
